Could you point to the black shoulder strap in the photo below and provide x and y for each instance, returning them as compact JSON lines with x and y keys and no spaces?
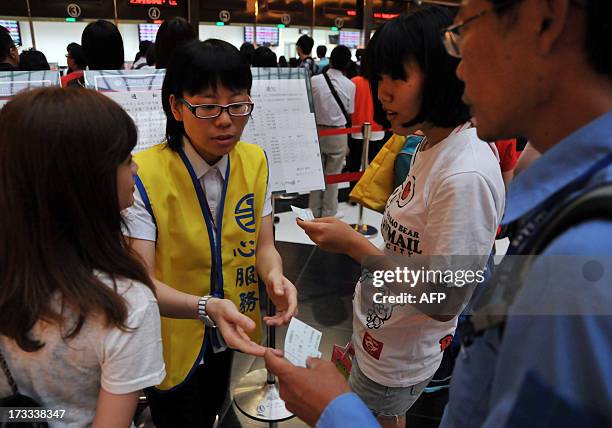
{"x":595,"y":204}
{"x":8,"y":375}
{"x":337,"y":98}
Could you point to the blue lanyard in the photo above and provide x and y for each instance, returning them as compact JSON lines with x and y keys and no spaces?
{"x":216,"y":286}
{"x":527,"y":229}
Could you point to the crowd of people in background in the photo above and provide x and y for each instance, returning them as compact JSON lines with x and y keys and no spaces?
{"x":93,"y":254}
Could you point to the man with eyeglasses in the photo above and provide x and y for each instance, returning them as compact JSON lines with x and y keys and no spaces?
{"x":9,"y":55}
{"x":542,"y":69}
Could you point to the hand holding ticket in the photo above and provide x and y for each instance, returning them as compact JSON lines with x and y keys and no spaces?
{"x":302,"y":341}
{"x":303,"y":214}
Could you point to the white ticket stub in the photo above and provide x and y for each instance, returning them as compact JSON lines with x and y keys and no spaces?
{"x":302,"y":341}
{"x":303,"y":214}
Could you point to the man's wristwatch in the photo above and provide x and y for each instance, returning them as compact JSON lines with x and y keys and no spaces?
{"x":202,"y":314}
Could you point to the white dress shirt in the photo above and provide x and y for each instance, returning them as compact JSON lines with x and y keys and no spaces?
{"x":140,"y":224}
{"x":327,"y":111}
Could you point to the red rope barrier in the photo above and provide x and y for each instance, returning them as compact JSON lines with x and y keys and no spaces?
{"x":342,"y":131}
{"x":346,"y":177}
{"x":341,"y":178}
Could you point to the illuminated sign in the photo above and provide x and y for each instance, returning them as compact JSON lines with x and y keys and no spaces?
{"x":380,"y":15}
{"x":155,"y":2}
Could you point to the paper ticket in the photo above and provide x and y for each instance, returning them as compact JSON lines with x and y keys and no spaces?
{"x":302,"y":341}
{"x":303,"y":214}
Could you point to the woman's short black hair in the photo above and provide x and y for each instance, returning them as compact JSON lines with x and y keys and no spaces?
{"x":305,"y":42}
{"x":76,"y":53}
{"x":415,"y":36}
{"x":198,"y":66}
{"x":6,"y":43}
{"x":143,"y":47}
{"x":171,"y":34}
{"x":32,"y":60}
{"x":264,"y":57}
{"x":340,"y":58}
{"x":247,"y":50}
{"x":103,"y":46}
{"x":151,"y":57}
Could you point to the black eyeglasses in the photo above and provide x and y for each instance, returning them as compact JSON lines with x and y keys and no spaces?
{"x":451,"y":36}
{"x":210,"y":111}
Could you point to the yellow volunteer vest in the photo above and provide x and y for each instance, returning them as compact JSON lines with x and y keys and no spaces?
{"x":186,"y":254}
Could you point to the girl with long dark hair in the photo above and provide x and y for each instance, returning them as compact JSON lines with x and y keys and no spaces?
{"x":79,"y":321}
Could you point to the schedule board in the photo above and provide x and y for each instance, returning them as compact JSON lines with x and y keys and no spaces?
{"x":139,"y":93}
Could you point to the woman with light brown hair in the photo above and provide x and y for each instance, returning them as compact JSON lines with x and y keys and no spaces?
{"x":79,"y":321}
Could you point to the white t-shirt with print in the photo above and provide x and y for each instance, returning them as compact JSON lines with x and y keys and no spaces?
{"x":68,"y":373}
{"x":450,"y":204}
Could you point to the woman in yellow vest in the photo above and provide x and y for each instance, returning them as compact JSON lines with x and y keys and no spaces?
{"x":202,"y":223}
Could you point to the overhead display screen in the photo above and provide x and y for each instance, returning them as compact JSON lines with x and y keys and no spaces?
{"x":13,"y":28}
{"x":266,"y":36}
{"x":350,"y":39}
{"x":147,"y":32}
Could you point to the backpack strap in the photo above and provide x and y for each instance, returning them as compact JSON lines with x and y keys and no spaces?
{"x":338,"y":100}
{"x":8,"y":375}
{"x":595,"y":204}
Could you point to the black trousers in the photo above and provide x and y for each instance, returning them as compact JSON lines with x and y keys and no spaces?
{"x":198,"y":401}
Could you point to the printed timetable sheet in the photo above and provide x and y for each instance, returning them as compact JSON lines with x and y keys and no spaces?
{"x":145,"y":108}
{"x":283,"y":125}
{"x":139,"y":93}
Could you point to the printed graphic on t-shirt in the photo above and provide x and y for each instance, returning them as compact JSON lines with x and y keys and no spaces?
{"x":372,"y":346}
{"x":399,"y":238}
{"x":445,"y":342}
{"x":407,"y":192}
{"x":377,"y":313}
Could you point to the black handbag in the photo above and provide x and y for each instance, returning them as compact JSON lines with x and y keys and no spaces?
{"x":16,"y":400}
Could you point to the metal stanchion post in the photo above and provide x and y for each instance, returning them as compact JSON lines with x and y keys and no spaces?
{"x":365,"y":229}
{"x":257,"y":394}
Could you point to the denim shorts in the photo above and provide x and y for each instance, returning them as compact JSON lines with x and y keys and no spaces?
{"x":384,"y":401}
